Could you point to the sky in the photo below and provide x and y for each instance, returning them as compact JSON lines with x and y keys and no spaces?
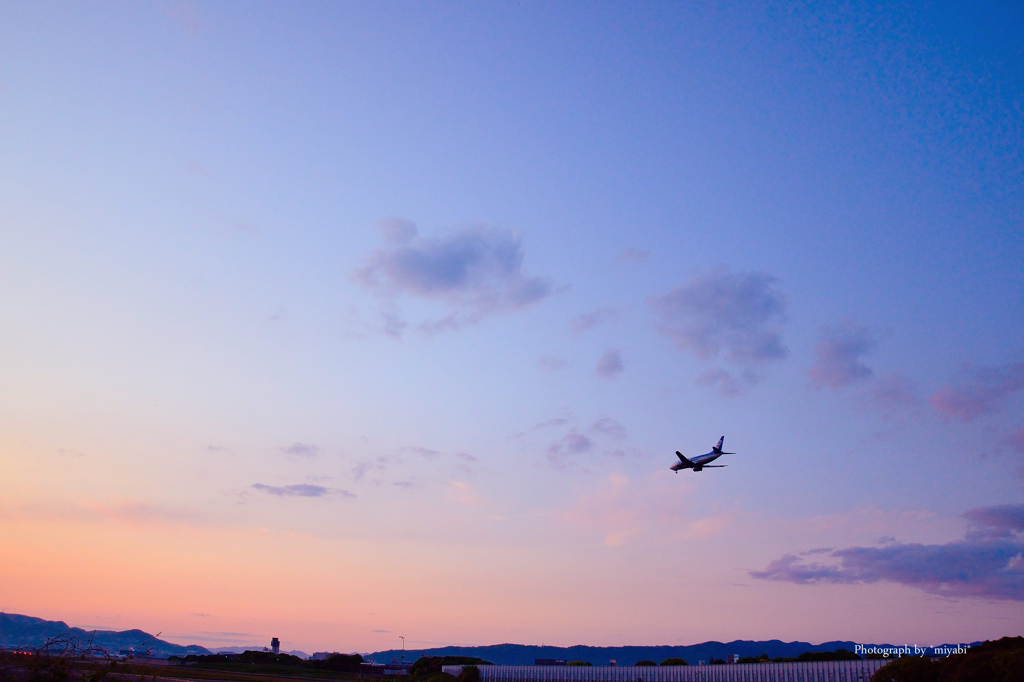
{"x":344,"y":322}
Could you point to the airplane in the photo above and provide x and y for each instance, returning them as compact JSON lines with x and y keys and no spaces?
{"x":701,"y":462}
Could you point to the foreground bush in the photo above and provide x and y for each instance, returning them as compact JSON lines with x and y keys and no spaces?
{"x":470,"y":673}
{"x":999,"y":661}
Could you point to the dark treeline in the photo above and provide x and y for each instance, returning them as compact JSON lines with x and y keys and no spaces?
{"x":837,"y":655}
{"x":998,"y":661}
{"x":263,"y":659}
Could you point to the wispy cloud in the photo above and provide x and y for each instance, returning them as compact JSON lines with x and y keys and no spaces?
{"x":128,"y":512}
{"x":818,"y":550}
{"x":397,"y":231}
{"x":392,"y":323}
{"x":719,"y":313}
{"x":553,"y":362}
{"x":633,"y":256}
{"x":1016,"y":440}
{"x":610,"y":364}
{"x":987,"y":563}
{"x":838,"y":356}
{"x":983,"y":390}
{"x":360,"y":470}
{"x":560,"y":453}
{"x":475,"y":272}
{"x":304,"y":450}
{"x":608,"y":509}
{"x":732,"y":316}
{"x":406,"y":485}
{"x":893,"y":392}
{"x":608,"y":427}
{"x":574,"y":444}
{"x":185,"y":17}
{"x":221,"y":638}
{"x":999,"y":521}
{"x":425,"y":453}
{"x":727,"y":383}
{"x":301,"y":490}
{"x":463,"y":494}
{"x":620,"y":510}
{"x":582,"y":323}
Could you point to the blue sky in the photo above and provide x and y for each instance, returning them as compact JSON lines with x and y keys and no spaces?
{"x":421,"y":299}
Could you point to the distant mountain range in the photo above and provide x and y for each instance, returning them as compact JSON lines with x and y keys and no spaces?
{"x":522,"y":654}
{"x":28,"y":632}
{"x":18,"y":631}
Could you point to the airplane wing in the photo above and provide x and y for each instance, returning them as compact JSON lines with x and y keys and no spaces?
{"x":683,"y":459}
{"x":714,"y":466}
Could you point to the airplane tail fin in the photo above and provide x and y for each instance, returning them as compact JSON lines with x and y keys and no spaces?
{"x":720,"y":442}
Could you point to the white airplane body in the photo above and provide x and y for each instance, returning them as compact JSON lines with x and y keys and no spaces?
{"x":702,"y":461}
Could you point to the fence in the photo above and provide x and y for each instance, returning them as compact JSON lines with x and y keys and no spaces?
{"x":816,"y":671}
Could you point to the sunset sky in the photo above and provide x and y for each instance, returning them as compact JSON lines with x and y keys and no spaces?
{"x":339,"y":322}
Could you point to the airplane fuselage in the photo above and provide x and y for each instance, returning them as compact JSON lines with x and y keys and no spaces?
{"x":698,"y":462}
{"x":701,"y":461}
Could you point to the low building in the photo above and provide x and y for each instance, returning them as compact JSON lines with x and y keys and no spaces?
{"x":370,"y":669}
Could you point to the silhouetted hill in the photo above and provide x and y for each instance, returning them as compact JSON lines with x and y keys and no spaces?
{"x":18,"y":631}
{"x":522,"y":654}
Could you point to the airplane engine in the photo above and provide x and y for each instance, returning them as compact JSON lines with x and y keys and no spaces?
{"x":697,"y":468}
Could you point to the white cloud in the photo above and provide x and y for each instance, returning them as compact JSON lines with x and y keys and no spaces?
{"x":474,"y":272}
